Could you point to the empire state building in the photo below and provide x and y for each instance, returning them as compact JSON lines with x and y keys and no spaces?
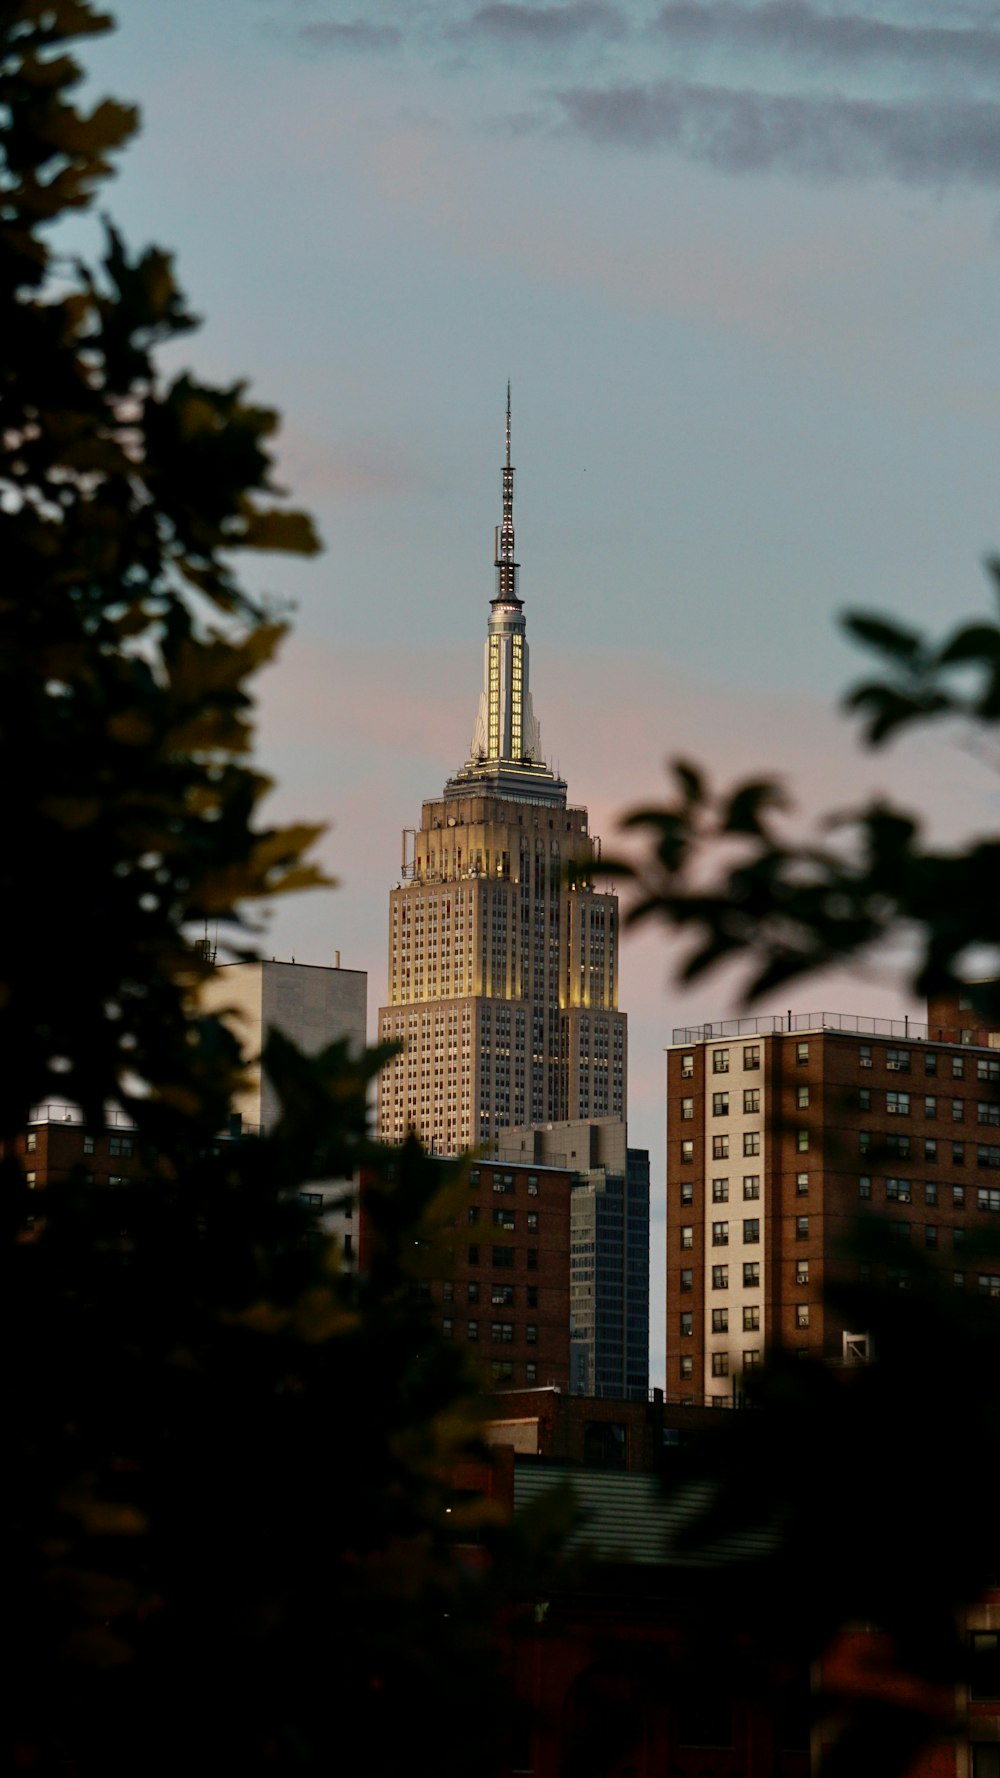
{"x":503,"y":956}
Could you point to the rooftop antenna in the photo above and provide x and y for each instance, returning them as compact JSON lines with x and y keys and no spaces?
{"x":504,"y":562}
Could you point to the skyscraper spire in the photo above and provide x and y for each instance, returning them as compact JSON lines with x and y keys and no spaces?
{"x":503,"y":536}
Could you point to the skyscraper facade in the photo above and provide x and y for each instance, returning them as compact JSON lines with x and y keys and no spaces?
{"x":503,"y":956}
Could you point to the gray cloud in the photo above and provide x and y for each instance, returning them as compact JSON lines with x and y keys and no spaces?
{"x":847,"y":39}
{"x":358,"y":34}
{"x":508,"y":23}
{"x":932,"y":142}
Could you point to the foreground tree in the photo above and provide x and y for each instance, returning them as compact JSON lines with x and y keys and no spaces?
{"x":849,"y":1474}
{"x":233,"y":1535}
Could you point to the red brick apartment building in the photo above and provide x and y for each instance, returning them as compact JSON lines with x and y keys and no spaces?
{"x":780,"y":1134}
{"x":508,"y":1297}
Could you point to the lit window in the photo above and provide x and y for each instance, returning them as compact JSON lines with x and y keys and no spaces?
{"x":801,"y":1271}
{"x":802,"y":1098}
{"x":802,"y":1314}
{"x":687,"y":1153}
{"x":802,"y":1141}
{"x":801,"y":1184}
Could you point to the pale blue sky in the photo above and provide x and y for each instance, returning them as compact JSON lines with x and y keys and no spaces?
{"x":742,"y":265}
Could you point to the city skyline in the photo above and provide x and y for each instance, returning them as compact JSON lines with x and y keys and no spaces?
{"x":747,"y":396}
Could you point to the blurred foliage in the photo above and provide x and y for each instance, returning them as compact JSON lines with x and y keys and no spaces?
{"x":235,"y":1539}
{"x":721,"y":871}
{"x":872,"y":1483}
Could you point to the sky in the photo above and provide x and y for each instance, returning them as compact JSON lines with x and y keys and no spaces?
{"x":741,"y":263}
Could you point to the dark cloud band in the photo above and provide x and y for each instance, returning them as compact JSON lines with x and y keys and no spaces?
{"x":920,"y":143}
{"x":792,"y":27}
{"x":357,"y":34}
{"x":543,"y":26}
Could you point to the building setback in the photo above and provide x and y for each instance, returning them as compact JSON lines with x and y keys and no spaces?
{"x":503,"y":956}
{"x":779,"y":1137}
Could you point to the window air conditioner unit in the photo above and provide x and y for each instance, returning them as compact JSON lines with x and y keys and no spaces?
{"x":893,"y":1067}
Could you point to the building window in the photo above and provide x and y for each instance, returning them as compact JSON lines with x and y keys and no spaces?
{"x":448,"y":1328}
{"x":503,"y":1256}
{"x":751,"y":1274}
{"x":687,"y":1278}
{"x":720,"y":1277}
{"x":687,"y":1365}
{"x":751,"y":1100}
{"x":473,"y":1212}
{"x":958,"y":1196}
{"x":802,"y":1314}
{"x":801,"y":1053}
{"x":989,"y":1283}
{"x":473,"y":1256}
{"x":988,"y":1197}
{"x":720,"y":1364}
{"x":751,"y":1231}
{"x":984,"y":1665}
{"x":502,"y":1219}
{"x":987,"y":1068}
{"x":720,"y":1234}
{"x":897,"y":1104}
{"x":448,"y":1291}
{"x":988,"y":1111}
{"x":88,"y":1145}
{"x":720,"y":1104}
{"x":720,"y":1320}
{"x":472,"y":1330}
{"x":865,"y":1185}
{"x":958,"y":1111}
{"x":898,"y":1061}
{"x":751,"y":1318}
{"x":502,"y":1296}
{"x":802,"y":1098}
{"x":930,"y":1105}
{"x":720,"y":1148}
{"x":930,"y":1062}
{"x":898,"y":1191}
{"x":31,"y":1142}
{"x":720,"y":1191}
{"x":532,"y":1222}
{"x":864,"y":1141}
{"x":687,"y":1109}
{"x":531,"y":1371}
{"x":751,"y":1142}
{"x":687,"y":1191}
{"x":502,"y":1371}
{"x":751,"y":1055}
{"x":311,"y":1200}
{"x":801,"y":1185}
{"x":930,"y":1235}
{"x":687,"y":1067}
{"x":931,"y":1150}
{"x":686,"y":1324}
{"x":531,"y":1333}
{"x":864,"y":1099}
{"x":472,"y":1290}
{"x":751,"y":1359}
{"x":958,"y":1237}
{"x":864,"y":1055}
{"x":720,"y":1061}
{"x":531,"y":1259}
{"x":802,"y":1141}
{"x":958,"y":1154}
{"x":802,"y":1228}
{"x":801,"y":1271}
{"x":687,"y":1235}
{"x":532,"y":1185}
{"x":687,"y":1153}
{"x":532,"y":1296}
{"x":751,"y":1185}
{"x":930,"y":1192}
{"x":957,"y":1067}
{"x":502,"y":1332}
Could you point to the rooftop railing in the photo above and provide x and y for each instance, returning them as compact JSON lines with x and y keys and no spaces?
{"x":774,"y":1024}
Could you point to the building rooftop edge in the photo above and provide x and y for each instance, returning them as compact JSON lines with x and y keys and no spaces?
{"x":849,"y":1024}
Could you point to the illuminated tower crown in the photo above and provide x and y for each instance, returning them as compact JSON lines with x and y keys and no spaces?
{"x":506,"y":756}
